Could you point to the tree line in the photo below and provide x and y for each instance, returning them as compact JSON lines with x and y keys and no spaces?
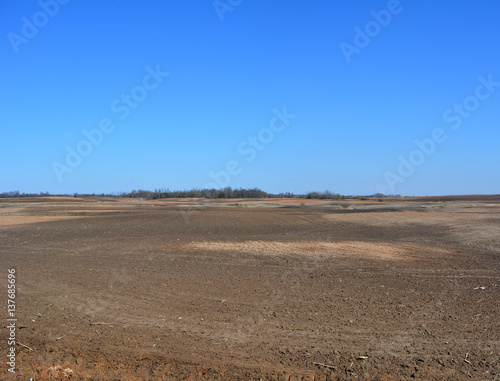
{"x":225,"y":193}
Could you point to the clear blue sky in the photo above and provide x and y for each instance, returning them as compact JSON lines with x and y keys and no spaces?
{"x":359,"y":100}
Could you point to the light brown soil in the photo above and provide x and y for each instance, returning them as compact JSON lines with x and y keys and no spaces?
{"x":253,"y":289}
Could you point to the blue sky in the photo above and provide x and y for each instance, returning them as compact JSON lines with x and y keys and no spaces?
{"x":361,"y":82}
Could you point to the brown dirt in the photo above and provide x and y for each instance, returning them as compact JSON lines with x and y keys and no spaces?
{"x":253,"y":289}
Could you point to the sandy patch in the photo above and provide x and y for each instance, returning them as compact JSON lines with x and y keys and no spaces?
{"x":18,"y":216}
{"x":312,"y":248}
{"x":19,"y":220}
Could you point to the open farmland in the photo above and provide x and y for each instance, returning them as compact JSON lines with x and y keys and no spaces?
{"x":279,"y":289}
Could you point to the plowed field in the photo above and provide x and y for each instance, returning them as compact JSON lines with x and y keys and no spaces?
{"x":253,"y":289}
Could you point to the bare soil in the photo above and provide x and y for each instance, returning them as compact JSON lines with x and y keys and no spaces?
{"x":269,"y":289}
